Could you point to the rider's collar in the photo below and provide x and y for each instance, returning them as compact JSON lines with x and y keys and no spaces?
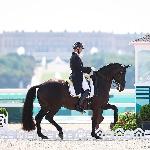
{"x":77,"y":53}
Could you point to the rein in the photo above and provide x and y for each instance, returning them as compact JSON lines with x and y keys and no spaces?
{"x":96,"y":82}
{"x":107,"y":79}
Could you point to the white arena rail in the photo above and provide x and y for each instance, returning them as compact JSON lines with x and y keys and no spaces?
{"x":72,"y":119}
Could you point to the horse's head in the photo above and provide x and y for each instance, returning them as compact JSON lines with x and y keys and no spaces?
{"x":119,"y":76}
{"x":115,"y":73}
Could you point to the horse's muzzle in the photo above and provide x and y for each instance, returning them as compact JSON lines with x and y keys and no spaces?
{"x":120,"y":88}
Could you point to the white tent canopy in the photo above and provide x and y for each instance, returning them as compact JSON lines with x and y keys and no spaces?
{"x":58,"y":65}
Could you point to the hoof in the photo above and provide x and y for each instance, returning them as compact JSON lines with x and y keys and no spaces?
{"x":42,"y":136}
{"x":98,"y":137}
{"x":95,"y":136}
{"x":112,"y":125}
{"x":61,"y":135}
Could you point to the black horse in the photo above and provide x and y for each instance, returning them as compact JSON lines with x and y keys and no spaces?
{"x":52,"y":95}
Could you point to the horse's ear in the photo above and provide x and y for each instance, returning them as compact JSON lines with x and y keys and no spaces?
{"x":127,"y":66}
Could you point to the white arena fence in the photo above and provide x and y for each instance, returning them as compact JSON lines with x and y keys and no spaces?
{"x":70,"y":118}
{"x":79,"y":134}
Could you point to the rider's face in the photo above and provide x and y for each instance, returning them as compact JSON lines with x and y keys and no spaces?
{"x":79,"y":50}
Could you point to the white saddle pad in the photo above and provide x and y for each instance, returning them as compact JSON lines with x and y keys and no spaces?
{"x":84,"y":85}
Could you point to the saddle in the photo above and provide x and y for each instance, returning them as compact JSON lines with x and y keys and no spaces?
{"x":87,"y":84}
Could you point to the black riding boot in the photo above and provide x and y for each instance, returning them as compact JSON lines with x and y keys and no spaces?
{"x":81,"y":100}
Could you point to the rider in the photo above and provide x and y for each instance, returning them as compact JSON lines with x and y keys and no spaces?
{"x":77,"y":68}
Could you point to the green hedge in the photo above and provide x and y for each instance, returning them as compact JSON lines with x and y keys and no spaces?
{"x":127,"y":121}
{"x":145,"y":112}
{"x":3,"y":111}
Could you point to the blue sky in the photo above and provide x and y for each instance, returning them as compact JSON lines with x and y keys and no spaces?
{"x":118,"y":16}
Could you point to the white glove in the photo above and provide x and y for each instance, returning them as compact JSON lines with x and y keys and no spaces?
{"x":87,"y":76}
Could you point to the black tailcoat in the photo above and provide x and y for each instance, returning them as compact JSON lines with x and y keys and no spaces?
{"x":77,"y":68}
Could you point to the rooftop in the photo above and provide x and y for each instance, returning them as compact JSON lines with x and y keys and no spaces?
{"x":145,"y":38}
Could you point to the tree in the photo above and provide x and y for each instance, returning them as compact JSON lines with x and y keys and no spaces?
{"x":16,"y":70}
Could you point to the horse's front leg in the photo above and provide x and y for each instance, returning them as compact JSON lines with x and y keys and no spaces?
{"x":109,"y":106}
{"x":96,"y":120}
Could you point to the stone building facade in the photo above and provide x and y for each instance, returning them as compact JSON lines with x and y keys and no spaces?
{"x":51,"y":44}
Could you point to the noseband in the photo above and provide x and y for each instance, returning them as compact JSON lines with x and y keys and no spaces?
{"x":116,"y":83}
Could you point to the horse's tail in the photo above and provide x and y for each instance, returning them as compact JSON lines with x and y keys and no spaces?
{"x":27,"y":119}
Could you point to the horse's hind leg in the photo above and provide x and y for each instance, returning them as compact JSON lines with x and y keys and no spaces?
{"x":49,"y":117}
{"x":38,"y":119}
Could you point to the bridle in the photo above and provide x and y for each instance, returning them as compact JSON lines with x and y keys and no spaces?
{"x":108,"y":79}
{"x":111,"y":78}
{"x":120,"y":74}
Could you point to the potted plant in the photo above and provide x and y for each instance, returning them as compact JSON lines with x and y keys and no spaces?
{"x":126,"y":121}
{"x":144,"y":117}
{"x":4,"y":112}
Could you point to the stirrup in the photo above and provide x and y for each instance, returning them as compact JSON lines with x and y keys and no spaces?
{"x":78,"y":108}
